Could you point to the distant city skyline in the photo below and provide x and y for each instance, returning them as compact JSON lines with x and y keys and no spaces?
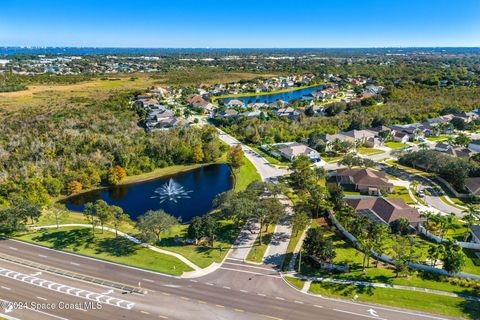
{"x":241,"y":24}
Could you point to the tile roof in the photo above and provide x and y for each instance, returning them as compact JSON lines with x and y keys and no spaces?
{"x":365,"y":177}
{"x":388,"y":209}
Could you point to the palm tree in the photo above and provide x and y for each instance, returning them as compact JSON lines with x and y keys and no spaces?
{"x":472,"y":215}
{"x":445,"y":223}
{"x":435,"y":252}
{"x":428,"y":215}
{"x":415,"y":184}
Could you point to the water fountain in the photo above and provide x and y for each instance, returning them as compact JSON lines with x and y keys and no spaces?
{"x":171,"y":191}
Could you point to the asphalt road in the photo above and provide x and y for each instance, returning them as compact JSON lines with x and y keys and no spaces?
{"x":235,"y":291}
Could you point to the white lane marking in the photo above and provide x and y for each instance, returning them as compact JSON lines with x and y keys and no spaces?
{"x":41,"y":298}
{"x":148,"y":280}
{"x":279,"y":298}
{"x":163,"y":317}
{"x":373,"y":312}
{"x":358,"y":314}
{"x":5,"y":288}
{"x":261,"y":295}
{"x":250,"y":266}
{"x":244,"y":291}
{"x":13,"y":248}
{"x":209,"y":283}
{"x":299,"y":302}
{"x":225,"y":287}
{"x":42,"y":256}
{"x":316,"y":305}
{"x":75,"y":264}
{"x":144,"y":312}
{"x":251,"y":272}
{"x":63,"y":288}
{"x":191,"y":280}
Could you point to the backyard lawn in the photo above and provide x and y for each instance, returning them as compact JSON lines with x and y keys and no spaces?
{"x":105,"y":246}
{"x":369,"y":151}
{"x":402,"y":193}
{"x":395,"y":145}
{"x":272,"y":160}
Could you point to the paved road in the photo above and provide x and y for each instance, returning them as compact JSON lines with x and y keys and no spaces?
{"x":264,"y":168}
{"x":237,"y":290}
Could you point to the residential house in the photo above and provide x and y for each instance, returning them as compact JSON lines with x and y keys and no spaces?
{"x":364,"y":180}
{"x":453,"y":151}
{"x":287,"y":112}
{"x":386,"y":210}
{"x":473,"y":185}
{"x":358,"y":137}
{"x":466,"y":116}
{"x":475,"y":231}
{"x":401,"y":137}
{"x":229,"y":113}
{"x":292,"y":150}
{"x":235,"y":103}
{"x":196,"y":100}
{"x":474,"y":146}
{"x":442,"y":147}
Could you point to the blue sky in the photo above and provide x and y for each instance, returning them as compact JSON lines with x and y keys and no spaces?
{"x":241,"y":23}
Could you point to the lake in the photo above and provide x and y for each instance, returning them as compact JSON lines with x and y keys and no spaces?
{"x":189,"y":193}
{"x":269,"y":98}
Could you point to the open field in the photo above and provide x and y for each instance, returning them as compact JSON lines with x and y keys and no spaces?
{"x":369,"y":151}
{"x":105,"y":246}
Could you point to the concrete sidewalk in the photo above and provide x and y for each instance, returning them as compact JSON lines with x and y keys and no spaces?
{"x":277,"y":248}
{"x":245,"y":240}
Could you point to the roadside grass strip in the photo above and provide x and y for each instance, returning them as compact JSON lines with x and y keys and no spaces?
{"x":68,"y":290}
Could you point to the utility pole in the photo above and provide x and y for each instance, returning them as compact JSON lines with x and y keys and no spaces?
{"x":299,"y":260}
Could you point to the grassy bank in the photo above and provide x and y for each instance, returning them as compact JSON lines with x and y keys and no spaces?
{"x":202,"y":254}
{"x":433,"y":303}
{"x":245,"y":175}
{"x":105,"y":246}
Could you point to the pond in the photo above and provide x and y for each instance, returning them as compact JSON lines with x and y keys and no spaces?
{"x":186,"y":194}
{"x":269,"y":98}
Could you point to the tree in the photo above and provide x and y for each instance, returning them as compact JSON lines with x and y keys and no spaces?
{"x":405,"y":252}
{"x":195,"y":229}
{"x":401,"y":226}
{"x":318,"y":246}
{"x":118,"y":217}
{"x":462,"y":140}
{"x":379,"y":234}
{"x":299,"y":221}
{"x":275,"y":211}
{"x":301,"y":170}
{"x":415,"y":184}
{"x":209,"y":228}
{"x":11,"y":222}
{"x":90,"y":215}
{"x":236,"y":156}
{"x":116,"y":174}
{"x":74,"y":187}
{"x":351,"y":160}
{"x":435,"y":252}
{"x":453,"y":259}
{"x":57,"y":212}
{"x":472,"y":214}
{"x":428,"y":215}
{"x":153,"y":223}
{"x":198,"y":154}
{"x":103,"y":212}
{"x":336,"y":196}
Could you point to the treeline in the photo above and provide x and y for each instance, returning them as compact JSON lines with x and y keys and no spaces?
{"x":11,"y":87}
{"x":454,"y":170}
{"x":44,"y":156}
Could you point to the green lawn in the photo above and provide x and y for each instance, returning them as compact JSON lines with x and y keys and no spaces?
{"x":203,"y":254}
{"x":297,"y":283}
{"x":332,"y":159}
{"x":369,"y":151}
{"x":105,"y":246}
{"x":402,"y":193}
{"x":245,"y":175}
{"x":258,"y":251}
{"x":433,"y":303}
{"x":439,"y":138}
{"x":272,"y":160}
{"x":395,"y":145}
{"x":291,"y":246}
